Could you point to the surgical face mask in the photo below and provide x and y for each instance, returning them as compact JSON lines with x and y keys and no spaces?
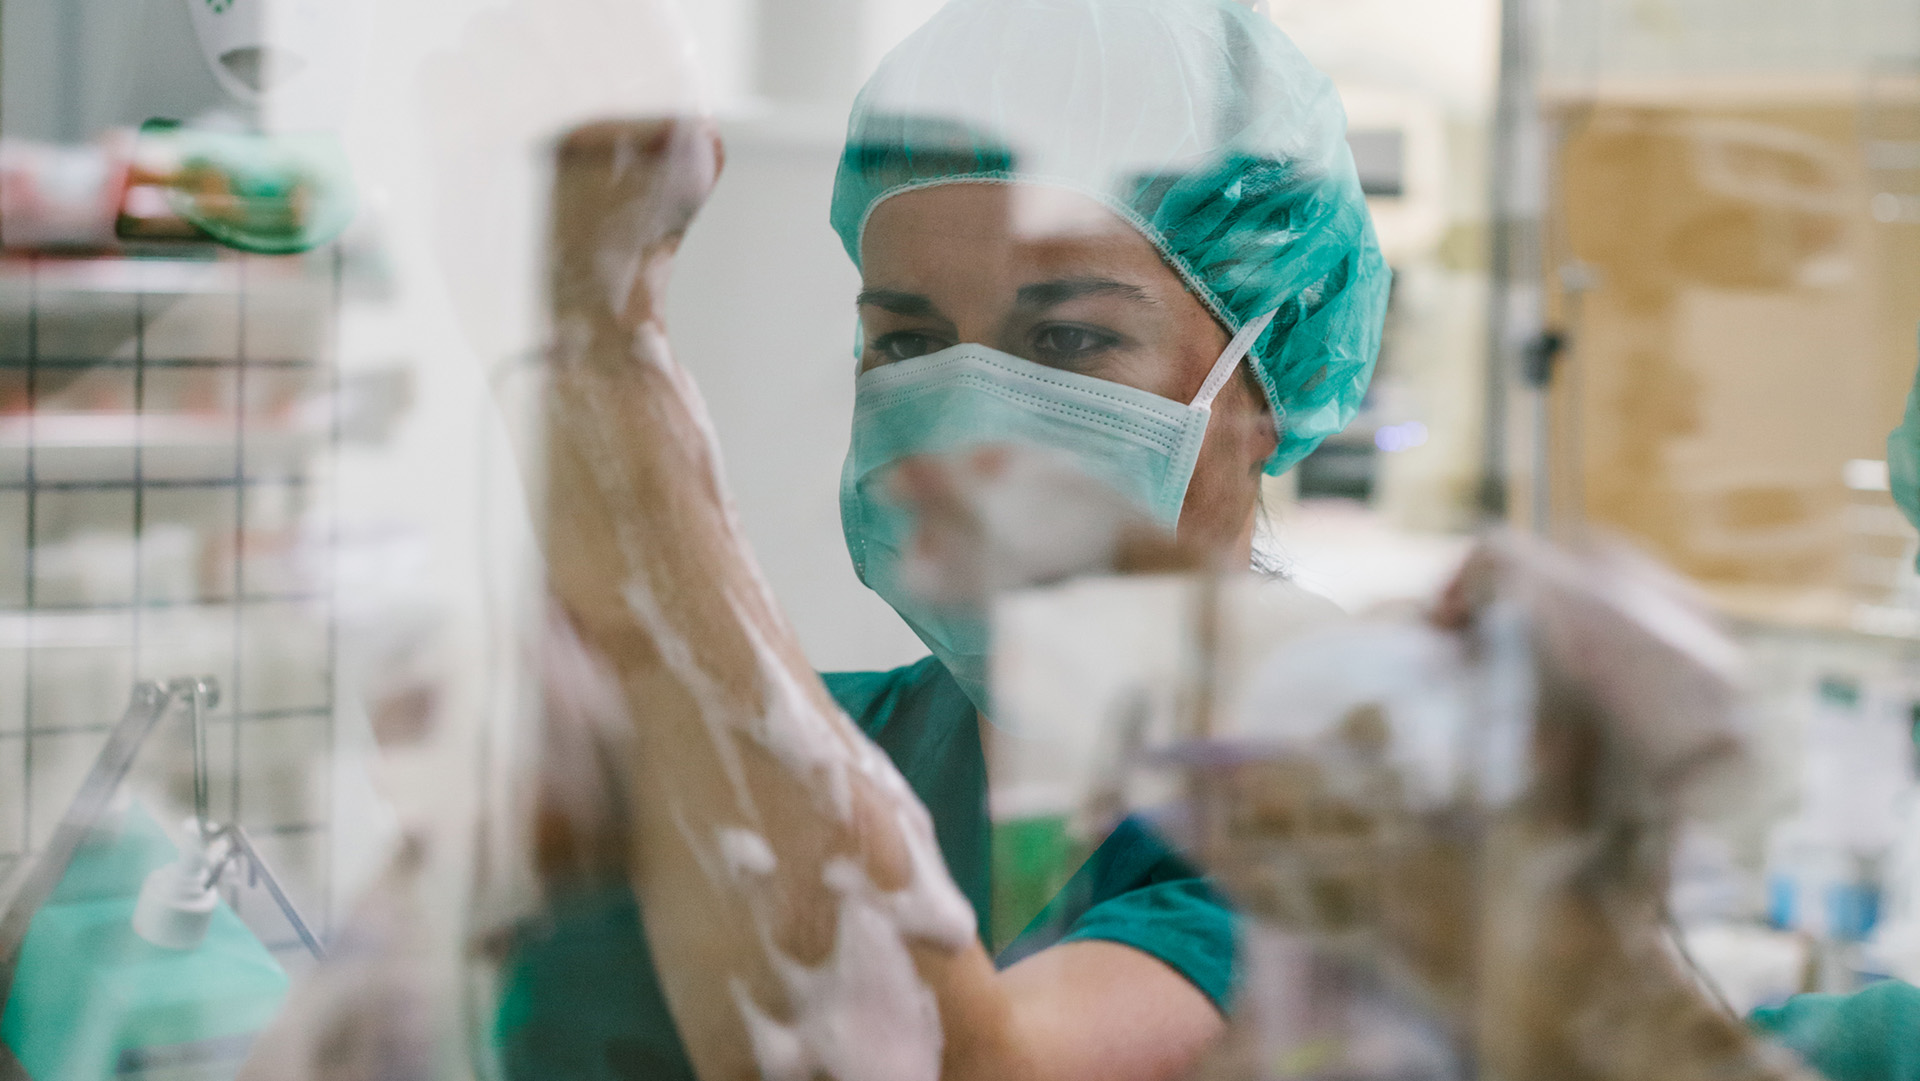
{"x":1138,"y":443}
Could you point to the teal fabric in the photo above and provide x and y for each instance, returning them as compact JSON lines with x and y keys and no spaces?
{"x":1135,"y":891}
{"x":1903,"y":457}
{"x":1196,"y":121}
{"x":87,"y":989}
{"x":920,"y":717}
{"x":1871,"y":1035}
{"x":581,"y":1001}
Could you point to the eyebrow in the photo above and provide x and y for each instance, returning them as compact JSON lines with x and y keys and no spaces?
{"x":1047,"y":294}
{"x":1039,"y":295}
{"x":892,"y":300}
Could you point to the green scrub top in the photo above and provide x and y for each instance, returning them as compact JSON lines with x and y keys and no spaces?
{"x":580,"y":998}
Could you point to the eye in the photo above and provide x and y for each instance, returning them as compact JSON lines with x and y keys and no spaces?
{"x":1065,"y":344}
{"x":905,"y":345}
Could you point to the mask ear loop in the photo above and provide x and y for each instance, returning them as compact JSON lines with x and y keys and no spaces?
{"x":1236,"y":351}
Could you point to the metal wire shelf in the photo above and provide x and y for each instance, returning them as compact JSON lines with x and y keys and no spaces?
{"x":256,"y":461}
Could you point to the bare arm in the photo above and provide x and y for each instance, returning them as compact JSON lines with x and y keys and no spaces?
{"x":1094,"y":1010}
{"x":803,"y":920}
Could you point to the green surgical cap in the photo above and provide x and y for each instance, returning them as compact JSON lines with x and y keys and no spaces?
{"x":1197,"y":121}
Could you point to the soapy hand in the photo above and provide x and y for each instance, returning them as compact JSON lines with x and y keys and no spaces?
{"x":624,"y":194}
{"x":1635,"y":720}
{"x":1625,"y":634}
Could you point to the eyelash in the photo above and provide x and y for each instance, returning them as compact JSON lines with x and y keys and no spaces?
{"x":1099,"y":342}
{"x":885,"y":343}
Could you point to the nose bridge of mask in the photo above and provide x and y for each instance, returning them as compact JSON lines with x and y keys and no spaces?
{"x":1230,"y":359}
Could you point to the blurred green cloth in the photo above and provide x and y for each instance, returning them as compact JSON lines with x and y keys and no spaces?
{"x":1903,"y":457}
{"x":1871,"y":1035}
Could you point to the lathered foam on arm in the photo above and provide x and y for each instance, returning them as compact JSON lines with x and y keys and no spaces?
{"x":803,"y":921}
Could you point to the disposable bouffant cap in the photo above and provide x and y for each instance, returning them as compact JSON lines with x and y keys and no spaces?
{"x":1196,"y":121}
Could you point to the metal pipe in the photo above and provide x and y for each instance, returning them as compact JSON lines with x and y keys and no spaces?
{"x":149,"y":703}
{"x":1517,"y":205}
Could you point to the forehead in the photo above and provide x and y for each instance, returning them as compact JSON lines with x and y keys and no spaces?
{"x":1010,"y":230}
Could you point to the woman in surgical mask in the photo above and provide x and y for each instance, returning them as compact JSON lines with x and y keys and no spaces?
{"x":1122,"y":237}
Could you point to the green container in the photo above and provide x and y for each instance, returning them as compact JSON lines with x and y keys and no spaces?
{"x":114,"y":865}
{"x":91,"y":1000}
{"x":1033,"y":857}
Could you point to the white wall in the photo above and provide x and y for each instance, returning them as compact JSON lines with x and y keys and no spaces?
{"x":1445,"y":50}
{"x":761,"y":306}
{"x":761,"y":312}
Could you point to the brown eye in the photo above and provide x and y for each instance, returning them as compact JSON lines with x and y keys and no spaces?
{"x":1066,"y":344}
{"x":905,"y":345}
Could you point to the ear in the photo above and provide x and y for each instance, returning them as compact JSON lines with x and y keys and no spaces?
{"x":1258,"y":437}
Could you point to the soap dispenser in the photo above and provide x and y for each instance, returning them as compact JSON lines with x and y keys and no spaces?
{"x":169,"y":981}
{"x":177,"y":901}
{"x":118,"y":958}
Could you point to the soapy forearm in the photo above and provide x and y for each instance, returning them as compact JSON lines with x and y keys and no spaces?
{"x":793,"y":891}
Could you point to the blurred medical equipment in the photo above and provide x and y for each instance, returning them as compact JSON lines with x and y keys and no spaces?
{"x":1704,"y":280}
{"x":246,"y":153}
{"x":272,"y":194}
{"x":290,"y":63}
{"x":118,"y":955}
{"x":1451,"y":838}
{"x":168,"y":428}
{"x":169,"y":417}
{"x":1703,"y":322}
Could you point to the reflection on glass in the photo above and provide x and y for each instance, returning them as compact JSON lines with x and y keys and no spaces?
{"x":435,"y":423}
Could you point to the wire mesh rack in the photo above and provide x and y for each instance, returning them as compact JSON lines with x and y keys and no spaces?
{"x":166,"y":427}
